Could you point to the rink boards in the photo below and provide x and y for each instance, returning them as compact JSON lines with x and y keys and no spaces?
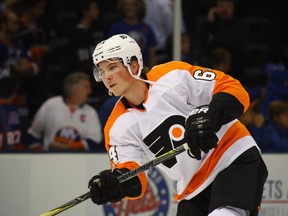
{"x":31,"y":184}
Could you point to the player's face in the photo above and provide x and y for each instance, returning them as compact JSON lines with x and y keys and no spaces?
{"x":115,"y":76}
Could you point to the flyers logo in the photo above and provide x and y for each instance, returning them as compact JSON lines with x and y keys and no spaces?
{"x":167,"y":136}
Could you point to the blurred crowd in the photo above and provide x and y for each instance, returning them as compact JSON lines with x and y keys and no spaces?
{"x":49,"y":100}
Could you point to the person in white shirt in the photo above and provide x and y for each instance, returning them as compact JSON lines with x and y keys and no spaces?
{"x":160,"y":16}
{"x":67,"y":122}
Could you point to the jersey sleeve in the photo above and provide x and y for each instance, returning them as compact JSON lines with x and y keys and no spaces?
{"x":227,"y":94}
{"x":202,"y":85}
{"x":121,"y":144}
{"x":229,"y":85}
{"x":229,"y":97}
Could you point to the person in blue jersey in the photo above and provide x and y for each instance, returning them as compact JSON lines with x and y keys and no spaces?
{"x":131,"y":23}
{"x":11,"y":125}
{"x":15,"y":60}
{"x":274,"y":136}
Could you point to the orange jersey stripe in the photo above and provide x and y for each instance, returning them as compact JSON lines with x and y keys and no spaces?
{"x":230,"y":137}
{"x":117,"y":111}
{"x":234,"y":88}
{"x":162,"y":69}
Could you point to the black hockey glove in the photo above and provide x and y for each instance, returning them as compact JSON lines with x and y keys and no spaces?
{"x":105,"y":187}
{"x":200,"y":129}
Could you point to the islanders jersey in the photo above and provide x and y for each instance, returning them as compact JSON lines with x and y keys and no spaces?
{"x":11,"y":131}
{"x":133,"y":136}
{"x":55,"y":122}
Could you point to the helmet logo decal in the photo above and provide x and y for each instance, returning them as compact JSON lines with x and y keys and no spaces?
{"x":123,"y":36}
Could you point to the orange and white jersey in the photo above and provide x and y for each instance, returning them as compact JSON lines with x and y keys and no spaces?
{"x":133,"y":136}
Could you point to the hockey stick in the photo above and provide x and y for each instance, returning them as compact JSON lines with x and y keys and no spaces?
{"x":162,"y":158}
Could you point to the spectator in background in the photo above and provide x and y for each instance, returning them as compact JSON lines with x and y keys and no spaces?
{"x":33,"y":35}
{"x":109,"y":13}
{"x":276,"y":87}
{"x":67,"y":123}
{"x":186,"y":54}
{"x":86,"y":34}
{"x":131,"y":23}
{"x":278,"y":112}
{"x":15,"y":60}
{"x":11,"y":125}
{"x":253,"y":119}
{"x":9,"y":5}
{"x":218,"y":59}
{"x":275,"y":134}
{"x":159,"y":15}
{"x":222,"y":28}
{"x":14,"y":57}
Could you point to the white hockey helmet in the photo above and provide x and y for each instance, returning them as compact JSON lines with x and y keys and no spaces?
{"x":120,"y":46}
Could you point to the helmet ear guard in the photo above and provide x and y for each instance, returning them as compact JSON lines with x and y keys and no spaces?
{"x":118,"y":46}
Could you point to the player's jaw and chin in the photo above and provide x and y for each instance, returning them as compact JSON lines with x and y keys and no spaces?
{"x":117,"y":83}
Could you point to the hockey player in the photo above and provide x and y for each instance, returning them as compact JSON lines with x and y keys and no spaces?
{"x":223,"y":172}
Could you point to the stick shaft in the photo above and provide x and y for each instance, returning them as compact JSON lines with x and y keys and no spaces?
{"x":162,"y":158}
{"x":67,"y":205}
